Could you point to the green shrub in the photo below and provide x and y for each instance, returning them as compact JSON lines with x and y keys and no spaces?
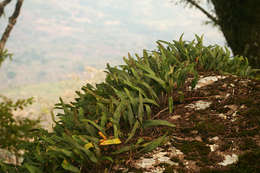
{"x":4,"y":55}
{"x":117,"y":111}
{"x":15,"y":132}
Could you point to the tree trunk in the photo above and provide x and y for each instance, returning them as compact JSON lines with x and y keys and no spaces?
{"x":239,"y":20}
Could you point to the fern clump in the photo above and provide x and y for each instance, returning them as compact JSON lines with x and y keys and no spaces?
{"x":118,"y":110}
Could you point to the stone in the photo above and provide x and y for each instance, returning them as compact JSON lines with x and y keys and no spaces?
{"x":229,"y":159}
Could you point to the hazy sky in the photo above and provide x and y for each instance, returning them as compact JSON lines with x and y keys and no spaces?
{"x":104,"y":30}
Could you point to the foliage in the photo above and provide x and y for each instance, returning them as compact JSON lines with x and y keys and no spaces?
{"x":15,"y":132}
{"x":4,"y":55}
{"x":109,"y":119}
{"x":239,"y":23}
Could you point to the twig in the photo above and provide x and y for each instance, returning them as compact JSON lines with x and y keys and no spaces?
{"x":158,"y":114}
{"x":196,"y":98}
{"x":11,"y":23}
{"x":2,"y":6}
{"x":214,"y":19}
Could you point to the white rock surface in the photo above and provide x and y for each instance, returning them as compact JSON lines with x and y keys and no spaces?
{"x":208,"y":80}
{"x":199,"y":105}
{"x":229,"y":159}
{"x":222,"y":116}
{"x":151,"y":160}
{"x":213,"y":147}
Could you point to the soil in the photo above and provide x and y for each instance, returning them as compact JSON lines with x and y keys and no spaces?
{"x":224,"y":136}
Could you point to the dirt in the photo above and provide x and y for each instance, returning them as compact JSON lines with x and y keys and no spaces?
{"x":217,"y":130}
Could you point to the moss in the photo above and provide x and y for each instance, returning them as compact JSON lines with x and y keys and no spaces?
{"x":175,"y":159}
{"x":210,"y":128}
{"x":133,"y":170}
{"x":223,"y":110}
{"x":194,"y":150}
{"x":215,"y":92}
{"x":246,"y":132}
{"x":248,"y":162}
{"x":168,"y":168}
{"x":247,"y":143}
{"x":167,"y":130}
{"x":242,"y":100}
{"x":208,"y":170}
{"x":188,"y":147}
{"x":253,"y":113}
{"x":226,"y":146}
{"x":186,"y":130}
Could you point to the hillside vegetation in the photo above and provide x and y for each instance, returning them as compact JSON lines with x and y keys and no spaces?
{"x":46,"y":94}
{"x":112,"y":120}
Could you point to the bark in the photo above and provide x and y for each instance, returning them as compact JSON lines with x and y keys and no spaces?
{"x":214,"y":19}
{"x":11,"y":22}
{"x":239,"y":21}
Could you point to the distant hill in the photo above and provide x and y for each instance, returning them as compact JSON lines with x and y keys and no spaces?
{"x":46,"y":94}
{"x":53,"y":39}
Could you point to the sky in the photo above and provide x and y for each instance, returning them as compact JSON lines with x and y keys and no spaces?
{"x":93,"y":33}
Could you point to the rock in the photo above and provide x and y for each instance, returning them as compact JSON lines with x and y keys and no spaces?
{"x":208,"y":80}
{"x":216,"y":138}
{"x":232,"y":107}
{"x":198,"y":138}
{"x":229,"y":159}
{"x":199,"y":105}
{"x":175,"y":117}
{"x":151,"y":161}
{"x":223,"y":116}
{"x":213,"y":147}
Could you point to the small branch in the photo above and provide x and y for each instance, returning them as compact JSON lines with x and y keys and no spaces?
{"x":159,"y":113}
{"x":2,"y":6}
{"x":214,"y":19}
{"x":195,"y":98}
{"x":11,"y":23}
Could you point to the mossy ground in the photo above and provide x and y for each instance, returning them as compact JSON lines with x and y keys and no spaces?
{"x":239,"y":132}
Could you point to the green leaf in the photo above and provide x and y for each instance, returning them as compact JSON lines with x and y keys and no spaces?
{"x":95,"y":125}
{"x":104,"y":118}
{"x":132,"y":133}
{"x":61,"y":150}
{"x":141,"y":108}
{"x":90,"y":154}
{"x":170,"y":103}
{"x":153,"y":144}
{"x":181,"y":96}
{"x":32,"y":169}
{"x":117,"y":115}
{"x":130,"y":115}
{"x":96,"y":96}
{"x":85,"y":138}
{"x":122,"y":150}
{"x":133,"y":86}
{"x":150,"y":123}
{"x":148,"y":111}
{"x":151,"y":101}
{"x":107,"y":158}
{"x":67,"y":166}
{"x":151,"y":74}
{"x":157,"y":79}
